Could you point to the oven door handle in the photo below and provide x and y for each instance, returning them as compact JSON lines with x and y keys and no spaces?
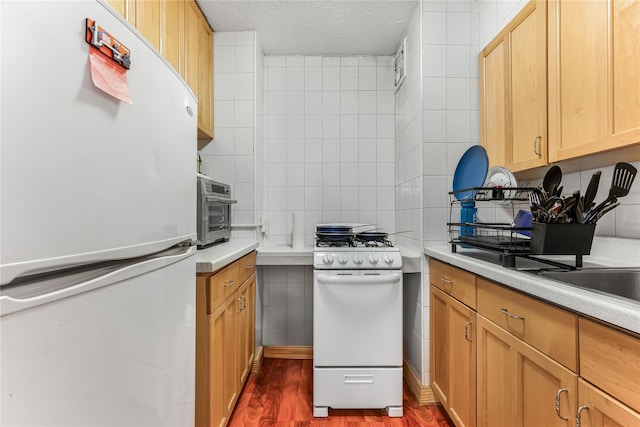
{"x":355,"y":280}
{"x":221,"y":200}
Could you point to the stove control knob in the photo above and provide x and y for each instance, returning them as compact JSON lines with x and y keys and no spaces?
{"x":343,"y":260}
{"x":357,"y":259}
{"x":388,"y":259}
{"x":373,"y":259}
{"x":327,"y":259}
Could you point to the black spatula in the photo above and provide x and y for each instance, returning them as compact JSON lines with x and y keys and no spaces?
{"x":623,"y":176}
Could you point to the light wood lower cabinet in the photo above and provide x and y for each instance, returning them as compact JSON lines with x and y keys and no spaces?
{"x":520,"y":386}
{"x":598,"y":409}
{"x":523,"y":354}
{"x":225,"y":339}
{"x":453,"y":362}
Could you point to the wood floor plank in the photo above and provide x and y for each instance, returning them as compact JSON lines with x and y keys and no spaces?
{"x":281,"y":395}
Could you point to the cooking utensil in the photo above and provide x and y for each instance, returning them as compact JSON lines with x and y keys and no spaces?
{"x":623,"y":176}
{"x":604,"y":211}
{"x":592,"y":190}
{"x":552,"y":179}
{"x":471,"y":172}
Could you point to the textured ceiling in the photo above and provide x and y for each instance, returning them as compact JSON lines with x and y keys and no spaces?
{"x":316,"y":27}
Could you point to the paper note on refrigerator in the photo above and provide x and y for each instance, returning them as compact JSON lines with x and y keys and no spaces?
{"x":109,"y":76}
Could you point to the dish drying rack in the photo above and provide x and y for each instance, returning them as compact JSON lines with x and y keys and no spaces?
{"x":507,"y":239}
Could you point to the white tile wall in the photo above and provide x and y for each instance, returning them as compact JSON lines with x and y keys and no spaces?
{"x":329,"y":130}
{"x":288,"y":305}
{"x":231,"y":157}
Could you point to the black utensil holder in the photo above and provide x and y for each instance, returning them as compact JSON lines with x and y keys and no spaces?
{"x":561,"y":239}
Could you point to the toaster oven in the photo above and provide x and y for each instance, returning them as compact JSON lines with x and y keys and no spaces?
{"x":214,"y":212}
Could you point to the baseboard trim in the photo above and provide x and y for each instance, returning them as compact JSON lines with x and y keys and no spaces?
{"x":257,"y":360}
{"x":288,"y":352}
{"x":423,"y":393}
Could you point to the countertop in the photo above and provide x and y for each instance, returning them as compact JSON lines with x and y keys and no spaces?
{"x":217,"y":256}
{"x":612,"y":252}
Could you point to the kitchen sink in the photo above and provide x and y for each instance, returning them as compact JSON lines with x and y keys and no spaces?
{"x":624,"y":282}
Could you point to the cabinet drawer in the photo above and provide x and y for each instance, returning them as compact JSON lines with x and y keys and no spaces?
{"x":246,"y":266}
{"x":221,"y":285}
{"x":551,"y":330}
{"x":458,"y":283}
{"x":610,"y":359}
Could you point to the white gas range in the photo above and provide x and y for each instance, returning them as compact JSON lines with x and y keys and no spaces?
{"x":357,"y":327}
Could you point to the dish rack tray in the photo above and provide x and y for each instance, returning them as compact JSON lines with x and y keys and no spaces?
{"x":507,"y":239}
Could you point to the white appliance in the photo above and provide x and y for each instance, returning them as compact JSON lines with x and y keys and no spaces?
{"x":97,"y":220}
{"x":357,"y":327}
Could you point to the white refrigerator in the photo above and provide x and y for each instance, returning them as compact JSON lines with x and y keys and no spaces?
{"x":97,"y":224}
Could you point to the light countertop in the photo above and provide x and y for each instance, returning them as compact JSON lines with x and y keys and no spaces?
{"x":217,"y":256}
{"x":616,"y":310}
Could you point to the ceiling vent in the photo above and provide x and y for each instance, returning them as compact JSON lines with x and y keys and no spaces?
{"x":400,"y":64}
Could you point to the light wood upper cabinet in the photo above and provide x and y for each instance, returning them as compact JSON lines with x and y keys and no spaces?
{"x":205,"y":81}
{"x":527,"y":130}
{"x":191,"y":31}
{"x":172,"y":35}
{"x":513,"y":92}
{"x":198,"y":66}
{"x":126,"y":8}
{"x":148,"y":20}
{"x":594,"y":77}
{"x":493,"y":98}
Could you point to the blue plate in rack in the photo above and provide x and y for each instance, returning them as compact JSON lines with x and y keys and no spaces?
{"x":470,"y":172}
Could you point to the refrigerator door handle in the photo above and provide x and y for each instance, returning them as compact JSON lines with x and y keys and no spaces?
{"x":33,"y":293}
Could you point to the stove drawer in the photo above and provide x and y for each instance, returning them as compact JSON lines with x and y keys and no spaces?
{"x":353,"y":388}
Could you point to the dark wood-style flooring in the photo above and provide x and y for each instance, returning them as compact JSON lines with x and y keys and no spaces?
{"x":280,"y":394}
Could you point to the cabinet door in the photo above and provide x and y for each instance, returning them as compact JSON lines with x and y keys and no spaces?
{"x":217,"y":349}
{"x":493,"y":86}
{"x":126,"y":8}
{"x":191,"y":31}
{"x":229,"y":356}
{"x":172,"y":35}
{"x":518,"y":385}
{"x":205,"y":82}
{"x":594,"y":77}
{"x":601,"y":410}
{"x":527,"y":107}
{"x":453,"y":345}
{"x":148,"y":20}
{"x":439,"y":328}
{"x":250,"y":321}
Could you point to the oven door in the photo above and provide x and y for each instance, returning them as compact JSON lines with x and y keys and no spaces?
{"x":357,"y":318}
{"x":217,"y":221}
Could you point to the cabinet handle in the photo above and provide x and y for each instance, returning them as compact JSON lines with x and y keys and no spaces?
{"x":228,"y":284}
{"x":536,"y":148}
{"x":513,"y":316}
{"x":466,"y":331}
{"x":239,"y":305}
{"x":445,"y":281}
{"x":250,"y":266}
{"x":558,"y":393}
{"x":244,"y":302}
{"x":579,"y":414}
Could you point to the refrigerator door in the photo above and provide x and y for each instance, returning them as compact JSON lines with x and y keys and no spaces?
{"x":85,"y":177}
{"x":116,"y":350}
